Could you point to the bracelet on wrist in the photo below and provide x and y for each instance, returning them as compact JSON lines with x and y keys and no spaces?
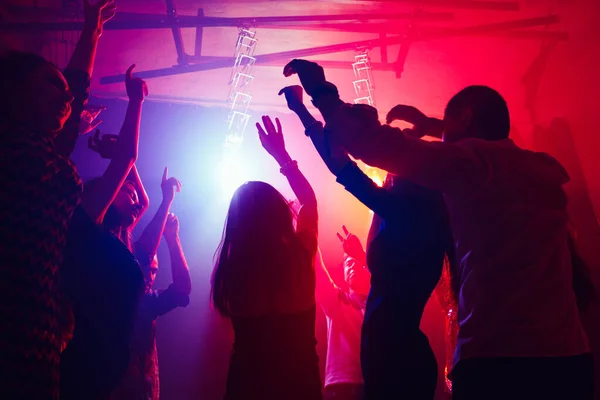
{"x":288,"y":166}
{"x":311,"y":126}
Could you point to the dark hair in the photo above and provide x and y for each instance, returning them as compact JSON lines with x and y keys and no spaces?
{"x":490,"y":112}
{"x":257,"y":238}
{"x":112,"y":219}
{"x":16,"y":66}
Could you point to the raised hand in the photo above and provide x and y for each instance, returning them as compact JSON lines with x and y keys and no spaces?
{"x":422,"y":124}
{"x":171,"y":231}
{"x":271,"y":138}
{"x":351,"y":244}
{"x":97,"y":14}
{"x":136,"y":87}
{"x":310,"y":73}
{"x":105,"y":146}
{"x":169,"y":186}
{"x":293,"y":96}
{"x":89,"y":120}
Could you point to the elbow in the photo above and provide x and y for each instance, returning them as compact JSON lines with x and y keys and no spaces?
{"x":185,"y":301}
{"x":127,"y":158}
{"x":183,"y":291}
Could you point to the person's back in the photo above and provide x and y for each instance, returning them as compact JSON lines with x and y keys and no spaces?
{"x":405,"y":258}
{"x":516,"y":294}
{"x":264,"y":281}
{"x":274,"y":357}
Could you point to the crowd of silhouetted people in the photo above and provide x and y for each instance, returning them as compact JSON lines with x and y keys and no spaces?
{"x":473,"y":218}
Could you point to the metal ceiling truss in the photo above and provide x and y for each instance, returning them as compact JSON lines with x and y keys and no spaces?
{"x":385,"y":25}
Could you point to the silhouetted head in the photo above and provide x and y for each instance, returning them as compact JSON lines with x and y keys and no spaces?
{"x":476,"y":112}
{"x":34,"y":93}
{"x":259,"y":231}
{"x":150,"y":271}
{"x":357,"y":277}
{"x":123,"y":212}
{"x":258,"y":212}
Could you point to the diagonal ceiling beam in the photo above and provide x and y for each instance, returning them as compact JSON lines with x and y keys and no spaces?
{"x":453,"y":4}
{"x":156,"y":21}
{"x":340,"y":47}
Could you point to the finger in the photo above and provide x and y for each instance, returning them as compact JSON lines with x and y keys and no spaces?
{"x":178,"y":186}
{"x":145,"y":88}
{"x":268,"y":124}
{"x":279,"y":130}
{"x":164,"y":175}
{"x":101,"y":4}
{"x":285,"y":90}
{"x":345,"y":231}
{"x":108,"y":13}
{"x":389,"y":118}
{"x":92,"y":146}
{"x":129,"y":72}
{"x":95,"y":124}
{"x":340,"y":237}
{"x":289,"y":69}
{"x":97,"y":135}
{"x":261,"y":132}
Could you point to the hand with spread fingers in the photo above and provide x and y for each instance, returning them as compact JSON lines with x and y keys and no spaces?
{"x":272,"y":140}
{"x":105,"y":146}
{"x":351,"y":244}
{"x":89,"y":119}
{"x":96,"y":15}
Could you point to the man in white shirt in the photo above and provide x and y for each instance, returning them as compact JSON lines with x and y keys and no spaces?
{"x":520,"y":336}
{"x":344,"y":310}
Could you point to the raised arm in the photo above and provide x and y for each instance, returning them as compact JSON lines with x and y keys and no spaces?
{"x":272,"y":140}
{"x":96,"y":15}
{"x":97,"y":199}
{"x":356,"y":128}
{"x":380,"y":200}
{"x":134,"y":178}
{"x":147,"y":245}
{"x":182,"y":282}
{"x":79,"y":70}
{"x":326,"y":291}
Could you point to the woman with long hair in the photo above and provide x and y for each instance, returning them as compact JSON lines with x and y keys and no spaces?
{"x":264,"y":280}
{"x":101,"y":277}
{"x":40,"y":109}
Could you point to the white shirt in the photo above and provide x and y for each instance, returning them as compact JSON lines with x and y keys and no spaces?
{"x":344,"y":316}
{"x":509,"y":222}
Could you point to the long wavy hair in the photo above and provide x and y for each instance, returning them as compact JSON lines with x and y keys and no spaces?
{"x":258,"y":238}
{"x":112,"y":219}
